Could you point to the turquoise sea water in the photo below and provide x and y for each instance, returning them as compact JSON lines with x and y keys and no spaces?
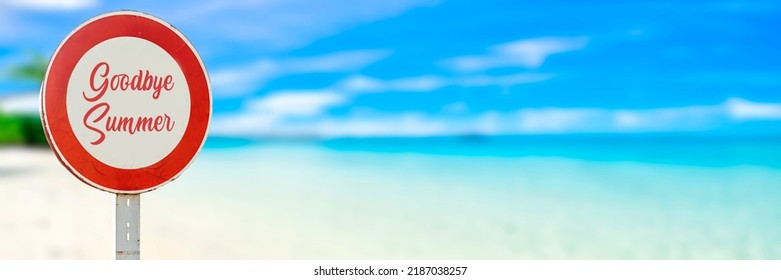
{"x":499,"y":198}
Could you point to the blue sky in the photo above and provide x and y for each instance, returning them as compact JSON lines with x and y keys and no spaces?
{"x":426,"y":68}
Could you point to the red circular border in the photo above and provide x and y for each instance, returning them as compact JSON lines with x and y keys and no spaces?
{"x":60,"y":134}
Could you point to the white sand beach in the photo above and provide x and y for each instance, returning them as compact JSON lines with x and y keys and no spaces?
{"x":309,"y":202}
{"x":48,"y":214}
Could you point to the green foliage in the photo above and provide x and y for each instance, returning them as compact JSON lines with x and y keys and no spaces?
{"x":20,"y":129}
{"x":10,"y":130}
{"x":34,"y":70}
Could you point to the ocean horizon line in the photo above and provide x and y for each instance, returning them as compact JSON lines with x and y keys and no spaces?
{"x":510,"y":138}
{"x":690,"y":150}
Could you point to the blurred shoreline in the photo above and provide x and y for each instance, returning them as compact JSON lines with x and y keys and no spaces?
{"x":675,"y":149}
{"x":310,"y":201}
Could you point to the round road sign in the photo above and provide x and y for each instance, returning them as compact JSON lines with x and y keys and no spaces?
{"x":126,"y":102}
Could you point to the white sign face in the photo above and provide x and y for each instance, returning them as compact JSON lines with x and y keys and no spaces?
{"x":134,"y":103}
{"x":126,"y":102}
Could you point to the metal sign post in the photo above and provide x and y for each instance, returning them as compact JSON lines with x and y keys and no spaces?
{"x":126,"y":105}
{"x":128,"y":230}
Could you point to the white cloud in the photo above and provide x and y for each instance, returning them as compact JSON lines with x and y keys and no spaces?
{"x":7,"y":26}
{"x":409,"y":124}
{"x":270,"y":115}
{"x":533,"y":52}
{"x":24,"y":103}
{"x":52,"y":4}
{"x":402,"y":124}
{"x":421,"y":83}
{"x":296,"y":103}
{"x":740,"y":109}
{"x":364,"y":84}
{"x":361,"y":83}
{"x":336,"y":62}
{"x":595,"y":120}
{"x":527,"y":53}
{"x":243,"y":80}
{"x":558,"y":120}
{"x":680,"y":118}
{"x":240,"y":81}
{"x":688,"y":118}
{"x":22,"y":28}
{"x":509,"y":80}
{"x":523,"y":121}
{"x":486,"y":123}
{"x":243,"y":124}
